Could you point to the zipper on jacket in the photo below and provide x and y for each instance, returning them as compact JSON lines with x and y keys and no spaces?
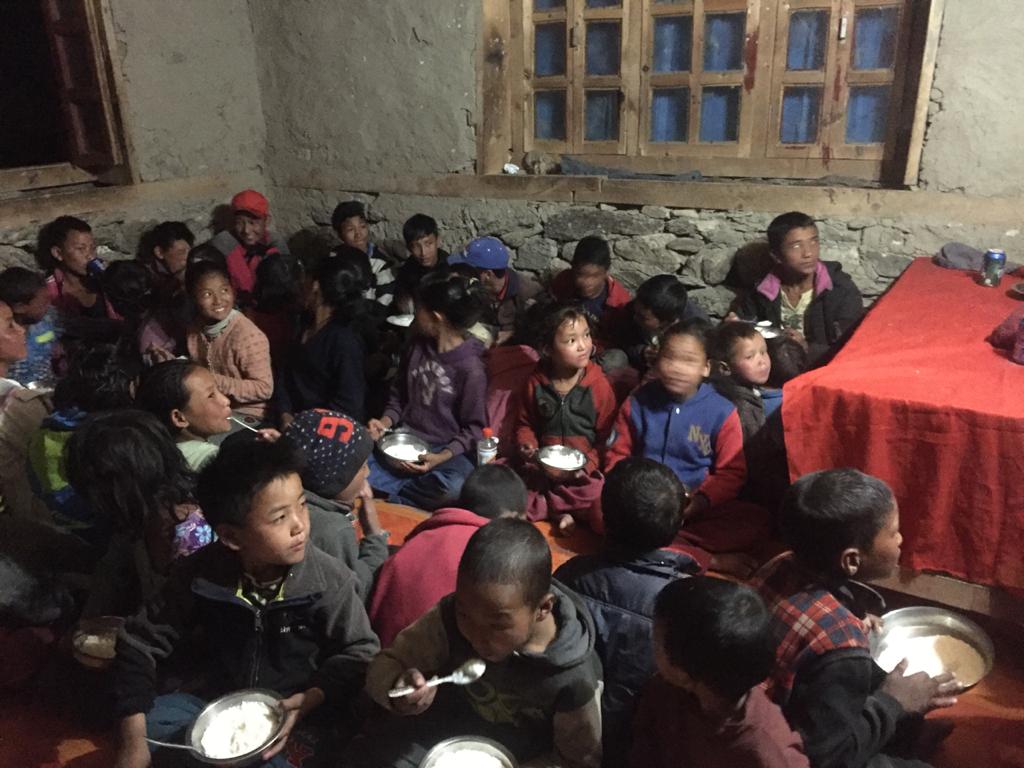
{"x":258,"y":627}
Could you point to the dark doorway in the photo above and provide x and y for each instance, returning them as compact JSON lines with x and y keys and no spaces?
{"x":32,"y":129}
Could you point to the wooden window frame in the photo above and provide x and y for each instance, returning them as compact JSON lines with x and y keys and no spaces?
{"x":112,"y":166}
{"x":506,"y":127}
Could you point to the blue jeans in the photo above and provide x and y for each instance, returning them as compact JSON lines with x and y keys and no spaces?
{"x":438,"y":488}
{"x":170,"y":718}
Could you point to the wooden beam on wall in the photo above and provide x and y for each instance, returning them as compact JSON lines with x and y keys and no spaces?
{"x":927,"y":76}
{"x":494,"y":126}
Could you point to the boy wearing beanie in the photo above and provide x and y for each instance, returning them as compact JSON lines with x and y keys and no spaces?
{"x":336,"y":448}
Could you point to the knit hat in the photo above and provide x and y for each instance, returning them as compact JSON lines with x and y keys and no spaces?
{"x":336,"y":447}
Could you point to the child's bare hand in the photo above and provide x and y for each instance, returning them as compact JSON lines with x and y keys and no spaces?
{"x":378,"y":427}
{"x":427,"y":462}
{"x":874,"y":623}
{"x":527,"y":452}
{"x":296,"y":706}
{"x":419,"y":700}
{"x":919,"y":694}
{"x":159,"y":354}
{"x":564,"y":525}
{"x":698,"y":504}
{"x":268,"y":435}
{"x":369,"y":520}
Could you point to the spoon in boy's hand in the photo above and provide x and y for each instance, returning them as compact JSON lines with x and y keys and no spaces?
{"x":466,"y":673}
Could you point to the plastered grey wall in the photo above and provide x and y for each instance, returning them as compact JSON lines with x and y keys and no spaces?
{"x":975,"y":139}
{"x":191,"y":93}
{"x":367,"y":86}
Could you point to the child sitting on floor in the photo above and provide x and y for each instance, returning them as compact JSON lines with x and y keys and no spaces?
{"x":337,"y":448}
{"x":842,"y":525}
{"x":541,"y":686}
{"x":587,"y":281}
{"x":277,"y":612}
{"x":350,"y":225}
{"x":423,"y":571}
{"x":423,"y":241}
{"x":789,"y":360}
{"x":440,"y":394}
{"x":713,"y":645}
{"x":126,"y":469}
{"x":680,"y":421}
{"x":224,"y":340}
{"x":642,"y":503}
{"x":566,"y":401}
{"x":248,"y":242}
{"x":742,"y":370}
{"x":25,"y":292}
{"x":660,"y":301}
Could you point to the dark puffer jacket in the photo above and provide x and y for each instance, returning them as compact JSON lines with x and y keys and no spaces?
{"x":833,"y":312}
{"x":620,"y":594}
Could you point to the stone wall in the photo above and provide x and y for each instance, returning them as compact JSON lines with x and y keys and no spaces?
{"x":699,"y":246}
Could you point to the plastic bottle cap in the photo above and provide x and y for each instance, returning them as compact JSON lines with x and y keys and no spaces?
{"x":488,"y":432}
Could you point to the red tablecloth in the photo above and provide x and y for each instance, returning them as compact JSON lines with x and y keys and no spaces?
{"x":920,"y":399}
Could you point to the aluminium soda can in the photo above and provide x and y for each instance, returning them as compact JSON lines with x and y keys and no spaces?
{"x":993,"y":267}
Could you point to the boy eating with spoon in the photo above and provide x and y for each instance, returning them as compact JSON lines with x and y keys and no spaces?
{"x":541,"y":689}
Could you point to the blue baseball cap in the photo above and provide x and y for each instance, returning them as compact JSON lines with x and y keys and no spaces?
{"x":483,"y":253}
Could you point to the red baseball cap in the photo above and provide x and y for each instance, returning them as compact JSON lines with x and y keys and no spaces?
{"x":252,"y":202}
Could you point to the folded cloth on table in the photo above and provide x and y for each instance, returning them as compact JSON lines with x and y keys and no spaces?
{"x":960,"y":256}
{"x":1005,"y":334}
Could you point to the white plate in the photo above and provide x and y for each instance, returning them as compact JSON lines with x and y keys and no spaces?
{"x":402,"y":321}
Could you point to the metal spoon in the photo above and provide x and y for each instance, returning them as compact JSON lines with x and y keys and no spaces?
{"x":176,"y":746}
{"x":466,"y":673}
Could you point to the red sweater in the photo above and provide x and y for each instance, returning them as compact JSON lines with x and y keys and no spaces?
{"x":581,"y":419}
{"x":671,"y":730}
{"x":615,"y":321}
{"x":423,"y":571}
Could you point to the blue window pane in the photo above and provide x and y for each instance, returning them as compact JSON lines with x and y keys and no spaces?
{"x":549,"y":50}
{"x":549,"y":115}
{"x":603,"y":48}
{"x":874,"y":38}
{"x":801,"y":107}
{"x":720,"y":114}
{"x":603,"y":3}
{"x":670,"y":114}
{"x":548,"y":5}
{"x":723,"y":41}
{"x":673,"y":43}
{"x":866,"y":114}
{"x":808,"y":39}
{"x":602,"y":116}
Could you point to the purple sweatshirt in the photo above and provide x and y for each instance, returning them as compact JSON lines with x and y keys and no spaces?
{"x":442,"y":397}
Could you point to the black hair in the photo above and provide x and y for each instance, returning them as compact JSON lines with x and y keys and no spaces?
{"x":358,"y":260}
{"x":783,"y":225}
{"x":696,"y":328}
{"x":163,"y":236}
{"x":126,"y":468}
{"x":206,"y":252}
{"x":19,"y":285}
{"x":789,"y":359}
{"x":664,"y":296}
{"x":642,"y":505}
{"x":54,"y":234}
{"x":162,"y":390}
{"x":509,"y":551}
{"x":718,"y":632}
{"x":824,"y":513}
{"x":555,"y":317}
{"x":347,"y":210}
{"x":492,"y":491}
{"x":418,"y":225}
{"x":723,"y":339}
{"x":593,"y":251}
{"x":197,"y":270}
{"x":342,"y":279}
{"x":128,"y":286}
{"x":278,"y":283}
{"x":239,"y":472}
{"x":461,"y":300}
{"x":99,"y":378}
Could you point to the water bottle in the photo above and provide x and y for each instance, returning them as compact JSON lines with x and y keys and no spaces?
{"x":94,"y":267}
{"x":487,"y":448}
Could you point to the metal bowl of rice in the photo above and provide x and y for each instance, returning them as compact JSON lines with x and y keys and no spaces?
{"x":237,"y":728}
{"x":469,"y":752}
{"x":561,"y":461}
{"x":399,"y":447}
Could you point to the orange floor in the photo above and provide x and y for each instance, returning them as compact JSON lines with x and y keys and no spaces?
{"x":36,"y":732}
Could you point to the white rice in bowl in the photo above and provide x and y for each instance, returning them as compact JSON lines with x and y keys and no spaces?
{"x":238,"y":730}
{"x":468,"y":757}
{"x":934,"y":654}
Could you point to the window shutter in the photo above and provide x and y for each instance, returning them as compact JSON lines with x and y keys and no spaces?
{"x":84,"y":99}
